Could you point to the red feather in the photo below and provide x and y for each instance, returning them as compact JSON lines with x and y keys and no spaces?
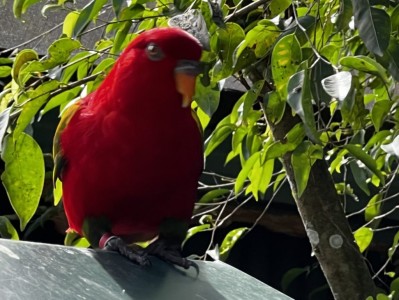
{"x":133,"y":154}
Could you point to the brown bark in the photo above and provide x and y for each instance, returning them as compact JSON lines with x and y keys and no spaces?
{"x":327,"y":227}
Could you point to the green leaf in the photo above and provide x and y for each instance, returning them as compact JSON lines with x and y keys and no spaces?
{"x":116,"y":6}
{"x":274,"y":107}
{"x":373,"y":208}
{"x":20,"y":6}
{"x":7,"y":230}
{"x":319,"y":71}
{"x":23,"y":57}
{"x":227,"y":41}
{"x":5,"y":71}
{"x":363,"y":237}
{"x":212,"y":195}
{"x":261,"y":176}
{"x":218,"y":137}
{"x":229,"y":241}
{"x":261,"y":38}
{"x":88,"y":13}
{"x":307,"y":23}
{"x":390,"y":60}
{"x":60,"y":99}
{"x":23,"y":177}
{"x":196,"y":229}
{"x":302,"y":160}
{"x":392,"y":250}
{"x":300,"y":100}
{"x":207,"y":97}
{"x":379,"y":112}
{"x":360,"y":176}
{"x":374,"y":26}
{"x":344,"y":15}
{"x":364,"y":64}
{"x":365,"y":158}
{"x":338,"y":85}
{"x":286,"y":57}
{"x":278,"y":6}
{"x":246,"y":169}
{"x":58,"y":53}
{"x":69,"y":23}
{"x":37,"y":98}
{"x":74,"y":239}
{"x":377,"y":139}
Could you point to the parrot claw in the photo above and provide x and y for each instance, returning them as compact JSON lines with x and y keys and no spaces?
{"x":136,"y":255}
{"x":170,"y":254}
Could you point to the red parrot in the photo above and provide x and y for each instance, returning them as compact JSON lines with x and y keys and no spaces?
{"x":129,"y":155}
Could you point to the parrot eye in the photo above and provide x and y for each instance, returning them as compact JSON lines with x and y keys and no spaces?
{"x":154,"y":53}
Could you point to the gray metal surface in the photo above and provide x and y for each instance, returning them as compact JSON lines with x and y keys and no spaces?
{"x":40,"y":271}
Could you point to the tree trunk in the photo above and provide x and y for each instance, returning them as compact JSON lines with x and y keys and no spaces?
{"x":326,"y":226}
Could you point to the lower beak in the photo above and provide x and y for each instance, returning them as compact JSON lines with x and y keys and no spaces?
{"x":186,"y":72}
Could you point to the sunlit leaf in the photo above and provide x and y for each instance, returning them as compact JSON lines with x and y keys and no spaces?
{"x":373,"y":208}
{"x":319,"y":71}
{"x":278,"y":6}
{"x":217,"y":137}
{"x":36,"y":100}
{"x":20,"y":6}
{"x":196,"y":229}
{"x":69,"y":23}
{"x":23,"y":177}
{"x":229,"y":241}
{"x":274,"y":106}
{"x":227,"y":41}
{"x":212,"y":195}
{"x":88,"y":13}
{"x":363,"y":237}
{"x":338,"y":85}
{"x":302,"y":160}
{"x":364,"y":64}
{"x":5,"y":71}
{"x":286,"y":57}
{"x":246,"y":169}
{"x":23,"y":57}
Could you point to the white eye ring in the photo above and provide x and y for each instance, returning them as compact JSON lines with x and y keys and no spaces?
{"x":154,"y":53}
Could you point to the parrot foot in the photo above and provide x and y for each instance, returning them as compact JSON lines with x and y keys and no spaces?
{"x":170,"y":253}
{"x":134,"y":254}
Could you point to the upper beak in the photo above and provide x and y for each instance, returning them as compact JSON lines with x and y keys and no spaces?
{"x":186,"y":72}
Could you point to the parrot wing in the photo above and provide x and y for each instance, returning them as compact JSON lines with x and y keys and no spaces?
{"x":59,"y":160}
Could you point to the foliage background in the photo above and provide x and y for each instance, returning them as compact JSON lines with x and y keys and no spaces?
{"x":333,"y":64}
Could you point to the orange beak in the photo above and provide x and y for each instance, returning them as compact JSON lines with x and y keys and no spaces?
{"x":185,"y":77}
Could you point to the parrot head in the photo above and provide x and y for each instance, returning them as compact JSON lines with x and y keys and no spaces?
{"x":163,"y":53}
